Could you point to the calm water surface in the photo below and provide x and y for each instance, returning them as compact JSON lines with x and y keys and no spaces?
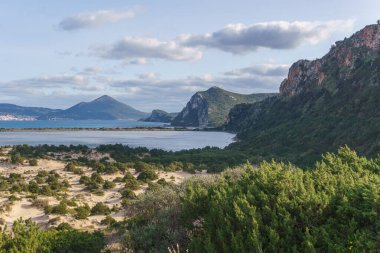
{"x":166,"y":140}
{"x":78,"y":124}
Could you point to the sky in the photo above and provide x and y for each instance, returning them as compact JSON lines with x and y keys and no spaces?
{"x":157,"y":54}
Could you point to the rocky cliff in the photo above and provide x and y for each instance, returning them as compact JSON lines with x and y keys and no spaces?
{"x":323,"y":104}
{"x":210,"y":108}
{"x":160,"y":116}
{"x":343,"y":58}
{"x":194,"y":114}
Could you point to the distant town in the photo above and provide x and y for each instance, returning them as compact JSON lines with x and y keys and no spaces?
{"x":9,"y":117}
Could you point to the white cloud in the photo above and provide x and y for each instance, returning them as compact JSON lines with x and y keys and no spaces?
{"x":96,"y":71}
{"x":149,"y":76}
{"x":146,"y":92}
{"x":46,"y":85}
{"x":241,"y":39}
{"x":174,"y":93}
{"x":54,"y":81}
{"x":266,"y":69}
{"x":137,"y":61}
{"x":96,"y":19}
{"x":141,"y":47}
{"x":92,"y":70}
{"x":234,"y":38}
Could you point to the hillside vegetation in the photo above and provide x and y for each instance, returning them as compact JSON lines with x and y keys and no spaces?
{"x":279,"y":208}
{"x":210,"y":108}
{"x":323,"y":104}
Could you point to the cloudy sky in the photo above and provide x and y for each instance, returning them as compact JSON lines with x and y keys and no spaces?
{"x":156,"y":54}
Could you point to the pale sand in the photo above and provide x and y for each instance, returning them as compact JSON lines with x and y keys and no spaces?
{"x":23,"y":208}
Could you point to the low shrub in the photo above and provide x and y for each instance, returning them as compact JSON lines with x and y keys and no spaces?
{"x":100,"y":209}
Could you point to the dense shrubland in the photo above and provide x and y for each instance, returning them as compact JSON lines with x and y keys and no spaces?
{"x":27,"y":237}
{"x":332,"y":206}
{"x":275,"y":207}
{"x":210,"y":159}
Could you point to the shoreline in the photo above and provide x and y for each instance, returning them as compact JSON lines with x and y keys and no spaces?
{"x":110,"y":129}
{"x":76,"y":129}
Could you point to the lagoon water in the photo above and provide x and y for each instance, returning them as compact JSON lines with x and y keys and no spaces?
{"x":77,"y":124}
{"x":166,"y":140}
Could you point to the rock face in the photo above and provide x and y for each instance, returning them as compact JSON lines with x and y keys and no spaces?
{"x":210,"y":108}
{"x":160,"y":116}
{"x":194,"y":114}
{"x":304,"y":75}
{"x":323,"y":104}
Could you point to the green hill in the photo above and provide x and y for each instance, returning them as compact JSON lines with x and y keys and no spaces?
{"x":210,"y":108}
{"x":323,"y":104}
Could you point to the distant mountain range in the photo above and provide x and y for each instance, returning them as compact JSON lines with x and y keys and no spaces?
{"x":21,"y":111}
{"x":102,"y":108}
{"x":210,"y":108}
{"x":322,"y":105}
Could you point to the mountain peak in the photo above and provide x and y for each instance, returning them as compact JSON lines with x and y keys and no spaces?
{"x":104,"y":108}
{"x":214,"y":88}
{"x":104,"y":98}
{"x":210,"y":108}
{"x":368,"y":37}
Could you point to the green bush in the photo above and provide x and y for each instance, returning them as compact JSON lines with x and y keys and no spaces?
{"x":64,"y":226}
{"x":46,"y":190}
{"x":17,"y":159}
{"x":156,"y":223}
{"x":61,"y":208}
{"x":108,"y":184}
{"x":33,"y":187}
{"x":82,"y":212}
{"x":84,"y":180}
{"x":100,"y":209}
{"x":48,"y":209}
{"x":42,"y":173}
{"x":16,"y":187}
{"x":147,"y":175}
{"x":70,"y":167}
{"x":98,"y":192}
{"x":27,"y":237}
{"x":129,"y":194}
{"x":141,"y":166}
{"x":97,"y":178}
{"x":33,"y":162}
{"x":74,"y":169}
{"x":108,"y":221}
{"x":74,"y":241}
{"x":132,"y":184}
{"x":13,"y":198}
